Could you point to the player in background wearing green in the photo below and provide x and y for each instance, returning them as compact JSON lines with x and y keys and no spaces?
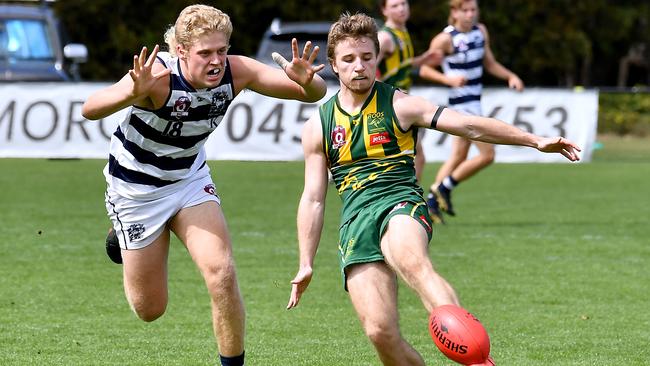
{"x":365,"y":136}
{"x":466,"y":46}
{"x":158,"y":180}
{"x":397,"y":59}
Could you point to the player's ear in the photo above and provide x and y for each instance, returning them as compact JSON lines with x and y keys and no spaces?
{"x":181,"y":52}
{"x":334,"y":68}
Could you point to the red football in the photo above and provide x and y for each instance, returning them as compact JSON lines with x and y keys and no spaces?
{"x":459,"y":335}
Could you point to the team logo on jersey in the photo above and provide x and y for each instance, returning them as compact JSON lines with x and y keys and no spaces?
{"x":218,"y":107}
{"x":210,"y":189}
{"x":338,"y":137}
{"x":375,"y":122}
{"x":135,"y":231}
{"x":462,"y":45}
{"x":181,"y":107}
{"x":379,"y":138}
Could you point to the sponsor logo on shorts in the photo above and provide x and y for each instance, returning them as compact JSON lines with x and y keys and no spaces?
{"x":426,"y":223}
{"x":399,"y":206}
{"x":135,"y":231}
{"x":210,"y":189}
{"x":379,"y":138}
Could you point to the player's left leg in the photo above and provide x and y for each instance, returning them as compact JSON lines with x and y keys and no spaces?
{"x":373,"y":291}
{"x":203,"y":230}
{"x":440,"y":190}
{"x":474,"y":165}
{"x":404,"y":245}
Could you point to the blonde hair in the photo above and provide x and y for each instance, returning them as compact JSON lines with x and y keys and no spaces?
{"x":351,"y":26}
{"x":195,"y":21}
{"x":456,"y":4}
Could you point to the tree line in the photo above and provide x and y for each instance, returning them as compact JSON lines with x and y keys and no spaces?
{"x":547,"y":42}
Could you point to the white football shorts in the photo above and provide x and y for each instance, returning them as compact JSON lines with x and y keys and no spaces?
{"x":139,"y":222}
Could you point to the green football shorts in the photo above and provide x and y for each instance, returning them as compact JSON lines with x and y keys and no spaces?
{"x":359,"y":238}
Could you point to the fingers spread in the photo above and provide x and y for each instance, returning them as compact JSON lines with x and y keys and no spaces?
{"x":294,"y":48}
{"x":306,"y":50}
{"x":313,"y":55}
{"x":152,"y":57}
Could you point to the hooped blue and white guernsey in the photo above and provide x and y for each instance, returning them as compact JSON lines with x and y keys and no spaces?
{"x":466,"y":60}
{"x":154,"y":152}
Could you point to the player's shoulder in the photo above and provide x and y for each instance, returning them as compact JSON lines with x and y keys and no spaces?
{"x":449,"y":29}
{"x":482,"y":27}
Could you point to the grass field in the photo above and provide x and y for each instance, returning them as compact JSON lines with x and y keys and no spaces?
{"x":553,"y":258}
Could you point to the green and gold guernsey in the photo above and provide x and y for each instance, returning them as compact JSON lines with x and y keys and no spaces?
{"x":396,"y":68}
{"x":369,"y":155}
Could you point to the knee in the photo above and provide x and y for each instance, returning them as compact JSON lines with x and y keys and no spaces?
{"x":487,"y":157}
{"x":146,"y":310}
{"x":221,"y":277}
{"x":382,"y":336}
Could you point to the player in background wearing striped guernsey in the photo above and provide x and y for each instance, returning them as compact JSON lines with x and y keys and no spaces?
{"x":466,"y":44}
{"x":397,"y":59}
{"x":157,"y":177}
{"x":365,"y":135}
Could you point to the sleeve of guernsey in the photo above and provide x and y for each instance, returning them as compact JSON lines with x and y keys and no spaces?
{"x":434,"y":120}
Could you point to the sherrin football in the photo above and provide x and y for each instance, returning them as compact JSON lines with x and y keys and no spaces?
{"x":459,"y":335}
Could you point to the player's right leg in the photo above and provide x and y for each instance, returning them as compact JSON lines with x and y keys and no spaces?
{"x":404,"y":245}
{"x":145,"y":278}
{"x":373,"y":291}
{"x":141,"y":229}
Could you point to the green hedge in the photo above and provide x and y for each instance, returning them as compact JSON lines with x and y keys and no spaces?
{"x":624,"y":113}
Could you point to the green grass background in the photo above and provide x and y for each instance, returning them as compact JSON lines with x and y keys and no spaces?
{"x":553,"y":258}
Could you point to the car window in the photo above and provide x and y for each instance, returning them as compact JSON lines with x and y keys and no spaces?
{"x":25,"y":39}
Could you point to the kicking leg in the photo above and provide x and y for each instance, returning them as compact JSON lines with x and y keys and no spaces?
{"x":373,"y":291}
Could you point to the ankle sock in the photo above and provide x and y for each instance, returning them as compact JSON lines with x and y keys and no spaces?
{"x":232,"y":361}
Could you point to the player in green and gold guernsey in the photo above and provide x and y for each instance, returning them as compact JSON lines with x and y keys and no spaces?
{"x":366,"y":135}
{"x":397,"y":59}
{"x":395,"y":68}
{"x":368,"y":153}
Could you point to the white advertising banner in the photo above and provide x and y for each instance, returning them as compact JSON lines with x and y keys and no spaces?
{"x":44,"y":120}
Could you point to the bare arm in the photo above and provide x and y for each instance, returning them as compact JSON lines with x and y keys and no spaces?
{"x":297,"y":79}
{"x":311,"y":209}
{"x":386,"y":45}
{"x":135,"y":88}
{"x":495,"y":68}
{"x":441,"y":44}
{"x":416,"y":111}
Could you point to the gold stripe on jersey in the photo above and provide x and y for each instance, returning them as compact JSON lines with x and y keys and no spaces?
{"x":373,"y":151}
{"x":405,"y":140}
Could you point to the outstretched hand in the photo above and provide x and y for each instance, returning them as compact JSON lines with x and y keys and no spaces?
{"x":514,"y":82}
{"x":300,"y":69}
{"x":559,"y":145}
{"x":142,"y":73}
{"x":299,"y":285}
